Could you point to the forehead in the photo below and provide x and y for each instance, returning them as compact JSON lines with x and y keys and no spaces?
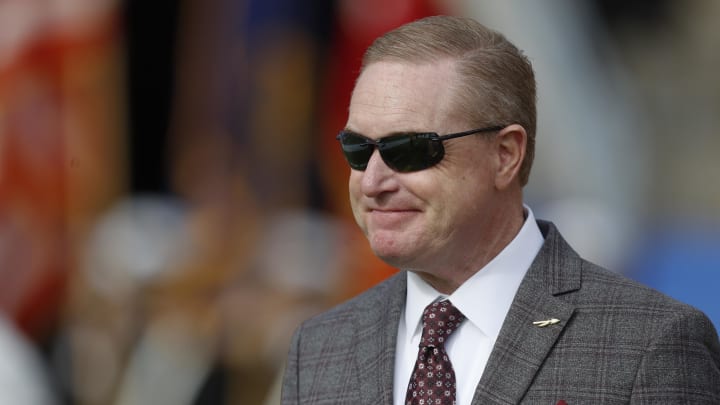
{"x":396,"y":96}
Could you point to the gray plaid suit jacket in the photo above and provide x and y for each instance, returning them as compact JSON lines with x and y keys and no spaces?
{"x":618,"y":342}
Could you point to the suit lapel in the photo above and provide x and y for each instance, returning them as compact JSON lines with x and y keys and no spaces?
{"x":521,"y":346}
{"x":376,"y":337}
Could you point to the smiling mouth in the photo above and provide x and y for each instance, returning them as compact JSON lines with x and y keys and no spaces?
{"x":383,"y":210}
{"x":391,"y":210}
{"x":392,"y":217}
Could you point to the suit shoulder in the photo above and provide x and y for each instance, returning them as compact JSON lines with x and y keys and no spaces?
{"x":363,"y":305}
{"x":608,"y":297}
{"x":561,"y":266}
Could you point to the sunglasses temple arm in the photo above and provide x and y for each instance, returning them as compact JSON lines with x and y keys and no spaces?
{"x":470,"y":132}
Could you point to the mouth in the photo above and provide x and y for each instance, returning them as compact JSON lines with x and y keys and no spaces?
{"x":391,"y":218}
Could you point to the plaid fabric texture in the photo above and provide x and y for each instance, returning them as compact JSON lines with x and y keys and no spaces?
{"x":616,"y":342}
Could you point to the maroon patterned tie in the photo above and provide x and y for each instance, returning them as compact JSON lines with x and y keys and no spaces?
{"x":432,"y":381}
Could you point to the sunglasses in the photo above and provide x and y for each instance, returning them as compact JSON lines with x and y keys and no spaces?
{"x":402,"y":152}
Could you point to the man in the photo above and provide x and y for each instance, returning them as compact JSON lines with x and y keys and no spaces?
{"x":492,"y":306}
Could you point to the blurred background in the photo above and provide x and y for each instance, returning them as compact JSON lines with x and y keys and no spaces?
{"x":173,"y":202}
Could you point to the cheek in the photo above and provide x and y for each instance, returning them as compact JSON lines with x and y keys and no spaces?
{"x":465,"y":192}
{"x":354,"y":185}
{"x":355,"y":196}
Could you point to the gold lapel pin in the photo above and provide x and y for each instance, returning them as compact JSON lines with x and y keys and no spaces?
{"x":542,"y":324}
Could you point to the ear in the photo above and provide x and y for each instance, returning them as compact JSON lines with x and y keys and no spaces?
{"x":511,"y":143}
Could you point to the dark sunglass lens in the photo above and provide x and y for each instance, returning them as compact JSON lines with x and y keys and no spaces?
{"x":409,"y":153}
{"x":356,"y":149}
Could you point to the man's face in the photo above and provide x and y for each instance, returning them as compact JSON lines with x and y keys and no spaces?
{"x":432,"y":219}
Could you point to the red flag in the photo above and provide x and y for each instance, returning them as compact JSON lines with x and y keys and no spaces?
{"x":59,"y":126}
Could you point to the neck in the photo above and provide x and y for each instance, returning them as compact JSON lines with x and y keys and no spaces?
{"x":502,"y":229}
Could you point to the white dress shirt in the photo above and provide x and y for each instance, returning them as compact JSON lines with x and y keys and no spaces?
{"x":484,"y":299}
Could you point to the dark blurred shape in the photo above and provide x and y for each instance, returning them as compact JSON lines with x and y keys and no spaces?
{"x":151,"y":32}
{"x":648,"y":13}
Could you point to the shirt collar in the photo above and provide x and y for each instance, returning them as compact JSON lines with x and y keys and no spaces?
{"x":485,"y":298}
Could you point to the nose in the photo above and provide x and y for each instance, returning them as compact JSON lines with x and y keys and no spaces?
{"x":377,"y":178}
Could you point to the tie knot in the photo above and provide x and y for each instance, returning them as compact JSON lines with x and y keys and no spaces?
{"x":440,"y":319}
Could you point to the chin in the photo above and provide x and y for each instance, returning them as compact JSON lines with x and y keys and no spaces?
{"x":395,"y":248}
{"x":395,"y":257}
